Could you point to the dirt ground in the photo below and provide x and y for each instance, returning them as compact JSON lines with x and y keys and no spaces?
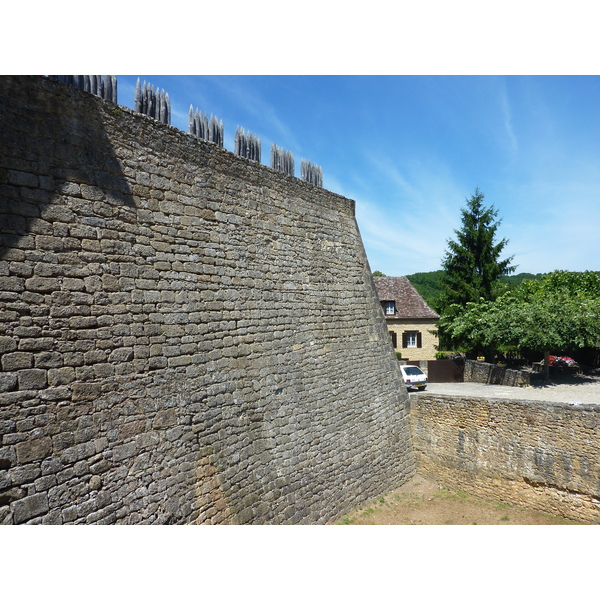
{"x":422,"y":501}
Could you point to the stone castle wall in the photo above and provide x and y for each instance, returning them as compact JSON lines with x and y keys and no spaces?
{"x":185,"y":336}
{"x":541,"y":455}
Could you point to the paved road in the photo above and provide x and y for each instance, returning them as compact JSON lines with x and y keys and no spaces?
{"x":581,"y":389}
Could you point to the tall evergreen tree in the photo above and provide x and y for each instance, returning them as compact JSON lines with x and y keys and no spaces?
{"x":472,"y":266}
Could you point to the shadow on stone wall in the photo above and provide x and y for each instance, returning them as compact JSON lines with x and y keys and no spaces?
{"x":50,"y":153}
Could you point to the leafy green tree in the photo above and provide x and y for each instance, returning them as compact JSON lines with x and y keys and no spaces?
{"x":559,"y":313}
{"x":472,"y":266}
{"x":379,"y":274}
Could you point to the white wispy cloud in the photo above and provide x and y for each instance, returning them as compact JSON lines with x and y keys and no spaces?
{"x":248,"y":100}
{"x":407,"y":219}
{"x":506,"y":111}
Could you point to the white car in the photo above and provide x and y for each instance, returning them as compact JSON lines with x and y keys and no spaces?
{"x":413,"y":377}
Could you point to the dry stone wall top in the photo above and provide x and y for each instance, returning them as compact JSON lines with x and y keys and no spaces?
{"x":186,"y":336}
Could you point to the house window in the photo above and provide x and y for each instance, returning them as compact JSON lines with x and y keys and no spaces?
{"x":394,"y":339}
{"x":412,"y":339}
{"x":390,"y":308}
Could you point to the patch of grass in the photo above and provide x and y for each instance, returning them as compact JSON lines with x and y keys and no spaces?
{"x":445,"y":493}
{"x":504,"y":518}
{"x":382,"y":500}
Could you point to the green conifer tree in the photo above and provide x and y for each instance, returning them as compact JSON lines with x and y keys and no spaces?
{"x":472,"y":266}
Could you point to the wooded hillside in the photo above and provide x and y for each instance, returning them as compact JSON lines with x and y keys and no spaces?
{"x":429,"y":285}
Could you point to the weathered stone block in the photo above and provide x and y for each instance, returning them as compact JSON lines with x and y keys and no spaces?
{"x":24,"y":474}
{"x":12,"y":284}
{"x":33,"y":450}
{"x":17,"y":360}
{"x":61,"y":376}
{"x":42,"y":284}
{"x":22,"y":178}
{"x":95,"y":482}
{"x":82,"y":322}
{"x":45,"y":483}
{"x":52,"y":518}
{"x":157,"y":362}
{"x":8,"y":382}
{"x":48,"y":360}
{"x":94,"y":356}
{"x":5,"y":480}
{"x":100,"y":467}
{"x":32,"y":379}
{"x":86,"y":391}
{"x":36,"y":345}
{"x":165,"y":419}
{"x":124,"y":451}
{"x":78,"y":453}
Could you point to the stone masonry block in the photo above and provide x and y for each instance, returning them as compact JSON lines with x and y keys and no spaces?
{"x":17,"y":360}
{"x":11,"y":284}
{"x":22,"y":178}
{"x":7,"y":344}
{"x":32,"y":379}
{"x":86,"y":391}
{"x":8,"y":382}
{"x":42,"y":284}
{"x":29,"y":507}
{"x":61,"y":376}
{"x":32,"y":450}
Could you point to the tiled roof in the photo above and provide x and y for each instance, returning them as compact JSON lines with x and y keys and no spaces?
{"x":409,"y":303}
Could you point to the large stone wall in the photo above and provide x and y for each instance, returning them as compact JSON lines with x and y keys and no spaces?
{"x":541,"y":455}
{"x":185,"y":336}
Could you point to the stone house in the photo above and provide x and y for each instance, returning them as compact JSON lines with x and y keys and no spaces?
{"x":409,"y":318}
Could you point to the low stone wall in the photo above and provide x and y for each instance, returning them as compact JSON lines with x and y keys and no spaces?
{"x":541,"y":455}
{"x":482,"y":372}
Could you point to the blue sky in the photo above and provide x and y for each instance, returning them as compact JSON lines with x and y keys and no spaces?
{"x":410,"y":149}
{"x":406,"y":107}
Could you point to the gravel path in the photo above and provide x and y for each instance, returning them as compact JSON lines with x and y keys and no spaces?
{"x":574,"y":389}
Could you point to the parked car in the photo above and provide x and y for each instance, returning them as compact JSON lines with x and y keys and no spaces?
{"x":413,"y":377}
